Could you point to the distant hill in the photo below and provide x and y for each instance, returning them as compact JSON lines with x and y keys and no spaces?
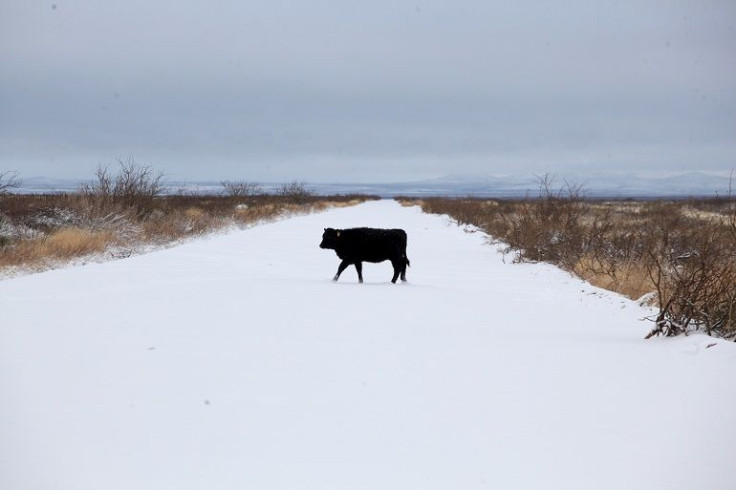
{"x":604,"y":185}
{"x":478,"y":185}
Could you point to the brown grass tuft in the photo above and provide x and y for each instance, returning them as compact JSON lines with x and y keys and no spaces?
{"x":60,"y":245}
{"x":74,"y":242}
{"x":630,"y":279}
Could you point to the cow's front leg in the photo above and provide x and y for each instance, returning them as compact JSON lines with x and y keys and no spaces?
{"x":359,"y":268}
{"x":343,"y":265}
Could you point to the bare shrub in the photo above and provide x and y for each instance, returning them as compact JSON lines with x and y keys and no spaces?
{"x":242,"y":188}
{"x":549,"y":228}
{"x":132,"y":188}
{"x":295,"y":192}
{"x":693,"y":269}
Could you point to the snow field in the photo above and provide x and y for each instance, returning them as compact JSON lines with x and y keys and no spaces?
{"x":234,"y":362}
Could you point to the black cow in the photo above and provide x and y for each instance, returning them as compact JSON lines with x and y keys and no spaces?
{"x":358,"y":245}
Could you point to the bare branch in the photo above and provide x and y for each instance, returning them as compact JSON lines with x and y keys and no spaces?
{"x":242,"y":188}
{"x":9,"y":180}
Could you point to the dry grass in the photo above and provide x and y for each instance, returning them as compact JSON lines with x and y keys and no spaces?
{"x":42,"y":231}
{"x":630,"y":279}
{"x":338,"y":204}
{"x":60,"y":245}
{"x":684,"y":251}
{"x":74,"y":242}
{"x":408,"y":202}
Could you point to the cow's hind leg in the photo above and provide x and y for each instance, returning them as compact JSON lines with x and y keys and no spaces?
{"x":341,"y":268}
{"x":403,"y":269}
{"x":359,"y":268}
{"x":397,"y":270}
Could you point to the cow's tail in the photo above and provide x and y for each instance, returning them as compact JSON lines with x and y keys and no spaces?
{"x":406,"y":259}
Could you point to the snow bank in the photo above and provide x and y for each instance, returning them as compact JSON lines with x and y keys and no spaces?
{"x":234,"y":362}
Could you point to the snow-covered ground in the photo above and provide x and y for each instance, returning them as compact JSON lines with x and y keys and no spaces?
{"x":235,"y":363}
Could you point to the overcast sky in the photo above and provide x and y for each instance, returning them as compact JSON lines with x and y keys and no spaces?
{"x":380,"y":90}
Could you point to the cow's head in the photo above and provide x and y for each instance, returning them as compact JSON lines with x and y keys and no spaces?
{"x":330,"y":238}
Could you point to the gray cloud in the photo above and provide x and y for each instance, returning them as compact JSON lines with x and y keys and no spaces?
{"x":367,"y":90}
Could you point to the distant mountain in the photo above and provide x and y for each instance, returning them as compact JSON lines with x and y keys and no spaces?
{"x":40,"y":185}
{"x":477,"y":185}
{"x":686,"y":184}
{"x":600,"y":185}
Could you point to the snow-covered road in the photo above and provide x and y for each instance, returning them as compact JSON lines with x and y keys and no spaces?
{"x":233,"y":362}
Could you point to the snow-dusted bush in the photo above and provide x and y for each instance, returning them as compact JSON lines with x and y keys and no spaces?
{"x":10,"y":232}
{"x":55,"y":217}
{"x":688,"y":259}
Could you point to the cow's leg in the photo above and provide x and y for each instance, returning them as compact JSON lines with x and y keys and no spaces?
{"x":359,"y":268}
{"x":341,"y":268}
{"x":403,"y":269}
{"x":397,"y":270}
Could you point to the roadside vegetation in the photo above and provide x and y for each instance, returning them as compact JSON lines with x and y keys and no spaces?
{"x":124,"y":210}
{"x":678,"y":255}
